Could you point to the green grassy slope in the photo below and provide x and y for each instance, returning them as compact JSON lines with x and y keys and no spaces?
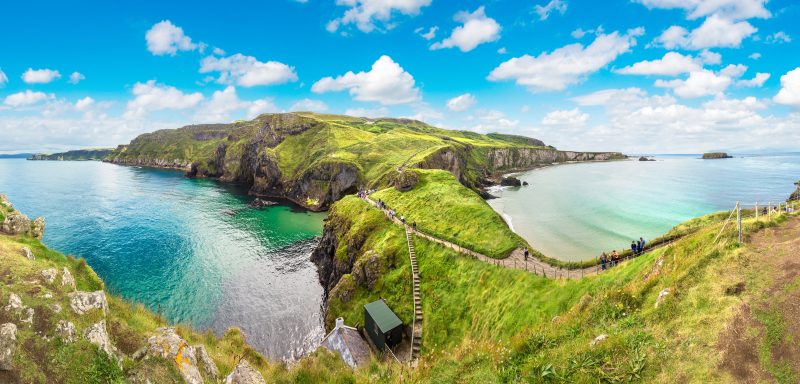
{"x":76,"y":155}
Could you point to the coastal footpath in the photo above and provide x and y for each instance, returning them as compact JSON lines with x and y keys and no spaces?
{"x":315,"y":160}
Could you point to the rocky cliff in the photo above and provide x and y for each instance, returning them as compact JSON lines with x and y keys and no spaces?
{"x":795,"y":196}
{"x":314,"y":160}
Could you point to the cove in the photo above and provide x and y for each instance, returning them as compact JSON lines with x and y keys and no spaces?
{"x":576,"y":211}
{"x":190,"y":249}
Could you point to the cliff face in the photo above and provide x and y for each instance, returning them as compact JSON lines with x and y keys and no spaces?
{"x":795,"y":196}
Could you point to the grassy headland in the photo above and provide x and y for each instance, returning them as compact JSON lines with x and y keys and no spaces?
{"x":75,"y":155}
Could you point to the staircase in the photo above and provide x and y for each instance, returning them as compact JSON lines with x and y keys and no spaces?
{"x":416,"y":335}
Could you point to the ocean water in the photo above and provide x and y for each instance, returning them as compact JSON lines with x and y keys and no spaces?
{"x":188,"y":248}
{"x":577,"y":211}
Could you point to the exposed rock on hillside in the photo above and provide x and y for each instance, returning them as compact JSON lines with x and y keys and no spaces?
{"x":169,"y":345}
{"x":796,"y":194}
{"x":25,"y":251}
{"x":244,"y":374}
{"x":84,"y":302}
{"x":16,"y":223}
{"x":8,"y":346}
{"x":405,"y":181}
{"x":98,"y":335}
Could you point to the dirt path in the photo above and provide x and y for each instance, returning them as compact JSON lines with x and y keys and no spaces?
{"x":760,"y":343}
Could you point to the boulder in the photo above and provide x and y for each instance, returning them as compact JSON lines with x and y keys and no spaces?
{"x":98,"y":335}
{"x":166,"y":343}
{"x":25,"y":251}
{"x":66,"y":330}
{"x":8,"y":346}
{"x":524,"y":183}
{"x":209,"y":366}
{"x":258,"y":203}
{"x":661,"y":296}
{"x":16,"y":224}
{"x":83,"y":302}
{"x":14,"y":303}
{"x":37,"y":228}
{"x":368,"y":269}
{"x":644,"y":158}
{"x":795,"y":196}
{"x":67,"y":280}
{"x":510,"y":181}
{"x":406,"y":180}
{"x":599,"y":339}
{"x":28,"y":318}
{"x":55,"y":307}
{"x":49,"y":275}
{"x":716,"y":155}
{"x":245,"y":374}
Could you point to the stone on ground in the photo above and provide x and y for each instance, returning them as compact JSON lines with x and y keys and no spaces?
{"x":661,"y":296}
{"x":8,"y":346}
{"x":49,"y":275}
{"x":67,"y":279}
{"x":37,"y":228}
{"x":25,"y":251}
{"x":166,"y":343}
{"x":16,"y":224}
{"x":98,"y":335}
{"x":599,"y":339}
{"x":14,"y":303}
{"x":83,"y":302}
{"x":208,"y":364}
{"x":244,"y":373}
{"x":28,"y":318}
{"x":66,"y":330}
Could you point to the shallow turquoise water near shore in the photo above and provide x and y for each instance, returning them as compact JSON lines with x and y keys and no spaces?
{"x":189,"y":248}
{"x":576,"y":211}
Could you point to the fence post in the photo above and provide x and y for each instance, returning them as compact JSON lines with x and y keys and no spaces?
{"x":739,"y":220}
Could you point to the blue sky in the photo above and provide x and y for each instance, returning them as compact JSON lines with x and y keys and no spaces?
{"x":637,"y":76}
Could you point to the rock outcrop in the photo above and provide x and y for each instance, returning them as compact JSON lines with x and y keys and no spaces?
{"x":8,"y":346}
{"x":716,"y":155}
{"x":16,"y":223}
{"x":98,"y":335}
{"x":25,"y":251}
{"x":244,"y":373}
{"x":67,"y":280}
{"x":84,"y":302}
{"x":405,"y":180}
{"x":166,"y":343}
{"x":66,"y":331}
{"x":209,"y":367}
{"x":37,"y":228}
{"x":795,"y":196}
{"x":49,"y":275}
{"x":510,"y":181}
{"x":14,"y":303}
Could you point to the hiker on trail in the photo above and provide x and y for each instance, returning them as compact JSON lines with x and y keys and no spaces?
{"x":641,"y":245}
{"x":603,"y":261}
{"x":414,"y":225}
{"x":526,"y":253}
{"x":614,"y":257}
{"x":403,"y":219}
{"x":634,"y":248}
{"x":391,"y":214}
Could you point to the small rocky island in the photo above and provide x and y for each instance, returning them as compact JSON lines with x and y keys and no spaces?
{"x":716,"y":155}
{"x":645,"y":158}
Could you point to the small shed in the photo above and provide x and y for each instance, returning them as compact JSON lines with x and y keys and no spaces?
{"x":382,"y":325}
{"x":348,"y":343}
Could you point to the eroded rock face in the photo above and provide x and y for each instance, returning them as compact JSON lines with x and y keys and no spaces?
{"x":37,"y":228}
{"x":16,"y":224}
{"x":27,"y":253}
{"x":14,"y":302}
{"x":66,"y":330}
{"x":244,"y":373}
{"x":209,"y":366}
{"x":406,"y":180}
{"x":83,"y":302}
{"x":368,"y":269}
{"x":795,"y":196}
{"x":49,"y":275}
{"x":169,"y":345}
{"x":67,"y":280}
{"x":98,"y":335}
{"x":8,"y":346}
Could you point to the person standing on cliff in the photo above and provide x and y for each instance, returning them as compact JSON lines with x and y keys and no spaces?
{"x":641,"y":245}
{"x":603,"y":260}
{"x":526,"y":253}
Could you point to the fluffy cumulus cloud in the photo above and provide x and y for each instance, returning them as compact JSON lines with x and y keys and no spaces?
{"x":387,"y":83}
{"x":486,"y":121}
{"x":672,"y":64}
{"x":26,"y":98}
{"x":790,"y":89}
{"x":716,"y":31}
{"x":461,"y":103}
{"x":40,"y":76}
{"x":778,"y":38}
{"x":698,"y":84}
{"x":165,"y":38}
{"x":758,"y":80}
{"x":544,"y":11}
{"x":84,"y":103}
{"x":151,"y":97}
{"x":367,"y":15}
{"x":476,"y":29}
{"x":368,"y":112}
{"x":569,"y":118}
{"x":3,"y":78}
{"x":309,"y":105}
{"x":568,"y":65}
{"x":76,"y":77}
{"x":732,"y":9}
{"x":247,"y":71}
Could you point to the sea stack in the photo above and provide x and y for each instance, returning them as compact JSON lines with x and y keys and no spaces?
{"x":716,"y":155}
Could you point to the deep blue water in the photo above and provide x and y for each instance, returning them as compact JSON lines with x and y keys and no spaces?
{"x":189,"y":248}
{"x":576,"y":211}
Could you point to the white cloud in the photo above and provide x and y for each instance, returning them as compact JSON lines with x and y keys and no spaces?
{"x":559,"y":6}
{"x":492,"y":121}
{"x":84,"y":103}
{"x":40,"y":76}
{"x":672,"y":64}
{"x":754,"y":56}
{"x":247,"y":71}
{"x":757,"y":81}
{"x":715,"y":32}
{"x":3,"y":78}
{"x":387,"y":83}
{"x":566,"y":65}
{"x":367,"y":15}
{"x":700,"y":83}
{"x":164,"y":38}
{"x":151,"y":96}
{"x":708,"y":57}
{"x":734,"y":70}
{"x":26,"y":98}
{"x":790,"y":89}
{"x":76,"y":77}
{"x":260,"y":106}
{"x":579,"y":33}
{"x":778,"y":38}
{"x":219,"y":107}
{"x":475,"y":30}
{"x":218,"y":51}
{"x":427,"y":35}
{"x":309,"y":105}
{"x":572,"y":118}
{"x":461,"y":103}
{"x":502,"y":50}
{"x":733,"y":9}
{"x":364,"y":112}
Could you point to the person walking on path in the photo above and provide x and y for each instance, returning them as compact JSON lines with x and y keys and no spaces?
{"x":641,"y":245}
{"x":634,"y":248}
{"x":603,"y":261}
{"x":526,"y":253}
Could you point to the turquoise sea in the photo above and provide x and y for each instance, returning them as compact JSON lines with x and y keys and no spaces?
{"x":577,"y":211}
{"x":188,"y":248}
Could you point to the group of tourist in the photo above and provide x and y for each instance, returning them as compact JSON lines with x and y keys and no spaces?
{"x":364,"y":193}
{"x":607,"y":261}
